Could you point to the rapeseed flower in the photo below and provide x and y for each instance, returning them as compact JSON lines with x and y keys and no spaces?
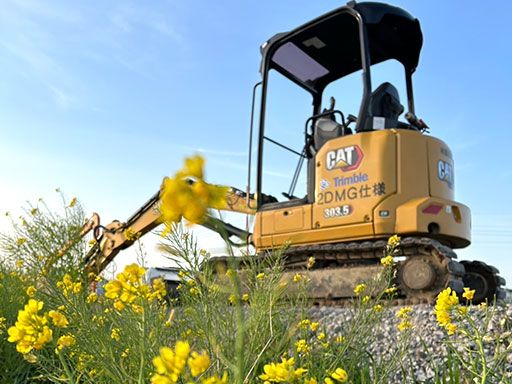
{"x":447,"y":301}
{"x":283,"y":372}
{"x":387,"y":261}
{"x":92,"y":298}
{"x":187,"y":195}
{"x":30,"y":291}
{"x":129,"y":234}
{"x":68,"y":286}
{"x":198,"y":363}
{"x":260,"y":276}
{"x":298,"y":278}
{"x":115,"y":335}
{"x":302,"y":346}
{"x":2,"y":324}
{"x":216,"y":379}
{"x":468,"y":294}
{"x":30,"y":330}
{"x":404,"y":312}
{"x":65,"y":341}
{"x":394,"y":241}
{"x":170,"y":363}
{"x":359,"y":289}
{"x":59,"y":319}
{"x":340,"y":375}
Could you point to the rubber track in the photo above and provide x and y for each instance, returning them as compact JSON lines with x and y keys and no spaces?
{"x":370,"y":252}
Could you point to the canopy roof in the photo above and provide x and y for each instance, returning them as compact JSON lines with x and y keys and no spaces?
{"x":328,"y":48}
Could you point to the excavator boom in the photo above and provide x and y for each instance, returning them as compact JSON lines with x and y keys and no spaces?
{"x":116,"y":236}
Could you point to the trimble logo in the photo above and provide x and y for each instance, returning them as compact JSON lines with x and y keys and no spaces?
{"x":346,"y":158}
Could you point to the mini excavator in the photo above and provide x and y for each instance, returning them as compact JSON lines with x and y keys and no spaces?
{"x":368,"y":176}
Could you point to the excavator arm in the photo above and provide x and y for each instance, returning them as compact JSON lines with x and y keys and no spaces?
{"x":116,"y":236}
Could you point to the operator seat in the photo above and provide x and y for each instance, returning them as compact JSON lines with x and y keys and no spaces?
{"x":384,"y":108}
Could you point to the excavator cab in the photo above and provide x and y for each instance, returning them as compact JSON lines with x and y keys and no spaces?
{"x":349,"y":39}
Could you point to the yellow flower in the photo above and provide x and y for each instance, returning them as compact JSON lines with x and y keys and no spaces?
{"x":310,"y":263}
{"x":19,"y":263}
{"x":283,"y":372}
{"x":310,"y":381}
{"x":31,"y":291}
{"x":21,"y":241}
{"x":66,"y":341}
{"x":405,"y":324}
{"x":129,"y":234}
{"x":216,"y":379}
{"x":328,"y":380}
{"x":72,"y":202}
{"x":229,"y":272}
{"x":340,"y":339}
{"x":451,"y":328}
{"x":2,"y":324}
{"x":359,"y":288}
{"x":59,"y":320}
{"x":30,"y":330}
{"x":232,"y":299}
{"x":170,"y":363}
{"x":404,"y":312}
{"x":302,"y":346}
{"x":198,"y":363}
{"x":393,"y":241}
{"x":462,"y":310}
{"x":191,"y":200}
{"x":340,"y":375}
{"x":298,"y":278}
{"x":314,"y":326}
{"x":365,"y":299}
{"x":378,"y":308}
{"x":159,"y":289}
{"x":115,"y":335}
{"x":137,"y":309}
{"x":260,"y":276}
{"x":124,"y":354}
{"x":92,"y":298}
{"x":387,"y":261}
{"x":194,"y":291}
{"x":321,"y":336}
{"x":468,"y":293}
{"x":245,"y":297}
{"x":390,"y":290}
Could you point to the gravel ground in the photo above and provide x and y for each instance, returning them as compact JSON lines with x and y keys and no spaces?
{"x":425,"y":330}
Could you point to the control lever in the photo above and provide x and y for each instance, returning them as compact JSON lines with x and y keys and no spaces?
{"x":416,"y":122}
{"x":351,"y":119}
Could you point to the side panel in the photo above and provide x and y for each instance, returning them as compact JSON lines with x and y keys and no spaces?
{"x":441,"y":169}
{"x":412,"y":180}
{"x":353,"y":174}
{"x":285,"y":220}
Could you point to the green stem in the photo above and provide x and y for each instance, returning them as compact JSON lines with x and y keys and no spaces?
{"x":66,"y":368}
{"x":143,"y":350}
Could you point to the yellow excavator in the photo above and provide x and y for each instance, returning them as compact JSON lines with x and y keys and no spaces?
{"x":368,"y":176}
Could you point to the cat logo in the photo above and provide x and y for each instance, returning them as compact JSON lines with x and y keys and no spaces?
{"x":346,"y":158}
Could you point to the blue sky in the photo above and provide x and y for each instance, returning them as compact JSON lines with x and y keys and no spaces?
{"x":104,"y":98}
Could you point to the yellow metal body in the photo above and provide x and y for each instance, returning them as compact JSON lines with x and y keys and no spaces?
{"x":372,"y":185}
